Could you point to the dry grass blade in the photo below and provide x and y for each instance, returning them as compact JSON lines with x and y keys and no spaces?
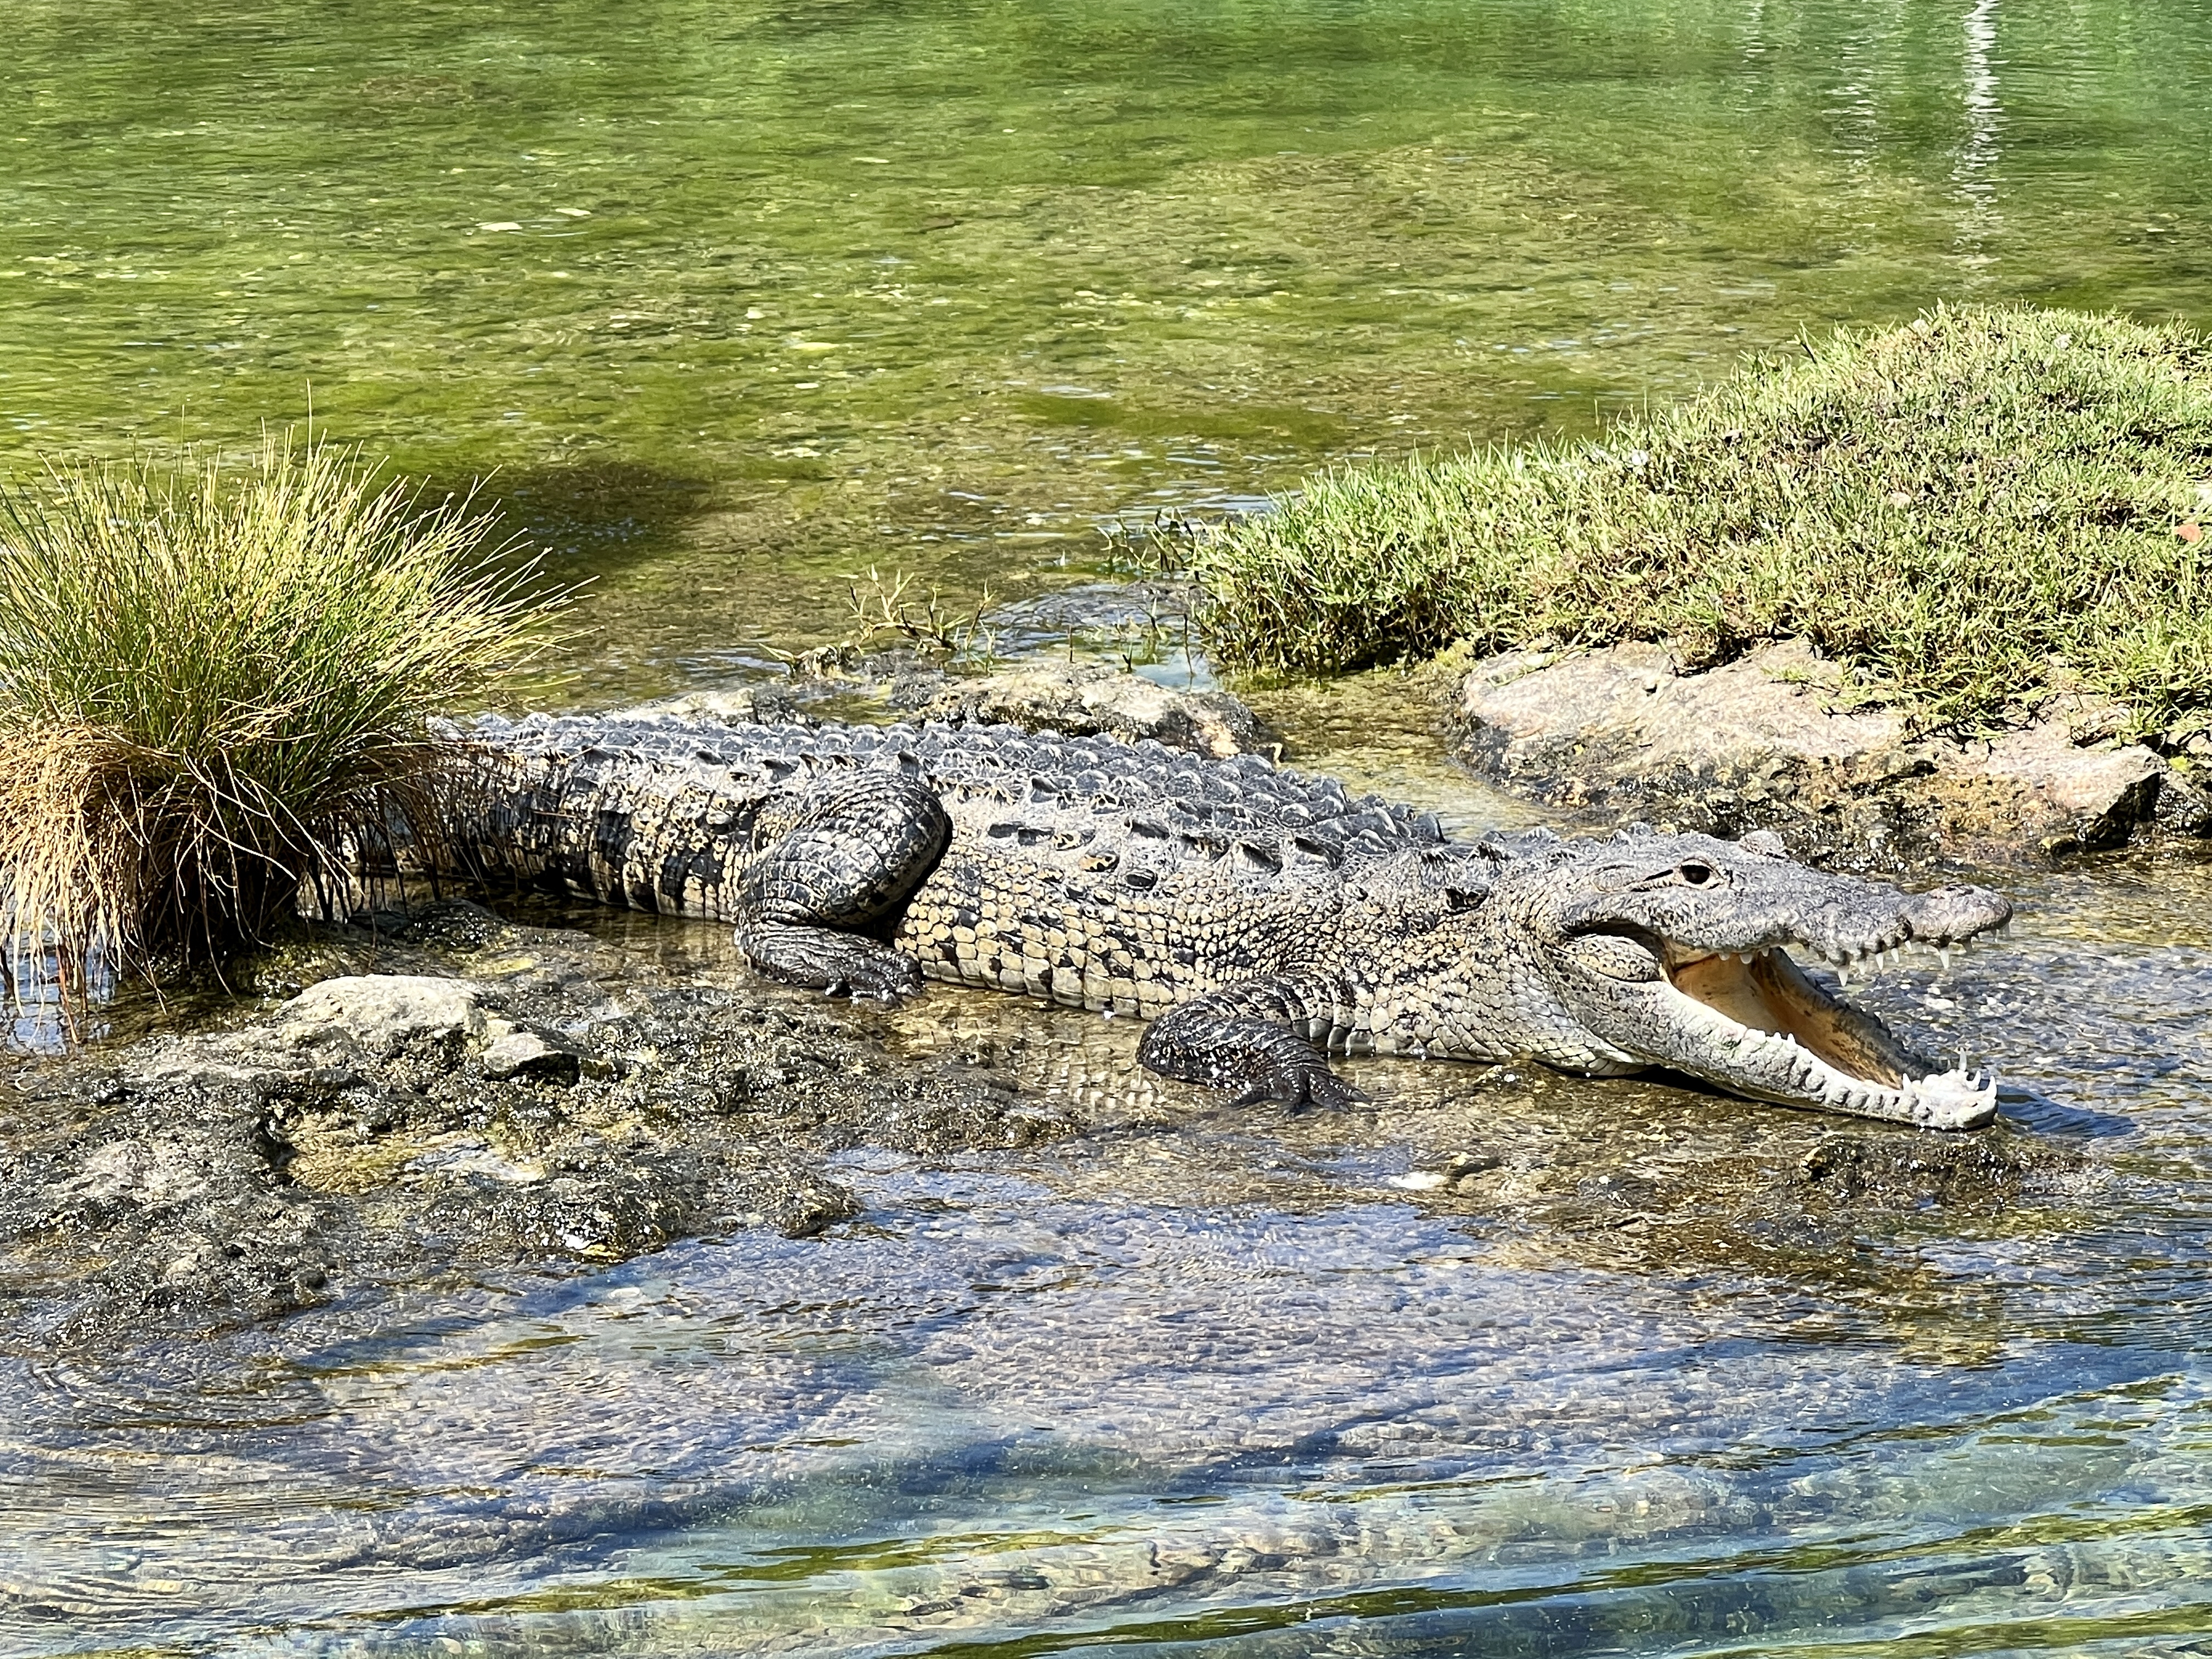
{"x":66,"y":835}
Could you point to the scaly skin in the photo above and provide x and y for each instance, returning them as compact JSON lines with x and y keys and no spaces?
{"x":1259,"y":919}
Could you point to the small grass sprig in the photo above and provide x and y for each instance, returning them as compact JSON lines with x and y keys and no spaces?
{"x":893,"y":609}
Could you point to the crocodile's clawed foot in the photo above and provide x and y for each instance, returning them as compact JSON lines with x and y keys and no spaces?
{"x":883,"y":977}
{"x":1241,"y":1039}
{"x":1296,"y":1088}
{"x":840,"y":964}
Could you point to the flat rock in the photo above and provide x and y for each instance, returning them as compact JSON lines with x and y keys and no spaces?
{"x":1596,"y":718}
{"x":382,"y":1012}
{"x":153,"y":1172}
{"x":1090,"y":699}
{"x":1771,"y":741}
{"x":550,"y":1098}
{"x":2038,"y":788}
{"x":517,"y":1052}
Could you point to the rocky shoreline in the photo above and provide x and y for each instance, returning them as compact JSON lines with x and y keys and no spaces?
{"x":455,"y":1092}
{"x":1773,"y":741}
{"x":459,"y":1090}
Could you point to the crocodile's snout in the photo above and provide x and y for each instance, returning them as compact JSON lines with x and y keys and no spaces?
{"x":1945,"y":915}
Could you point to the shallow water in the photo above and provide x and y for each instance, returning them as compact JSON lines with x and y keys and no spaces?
{"x":1238,"y":1383}
{"x":1215,"y":1384}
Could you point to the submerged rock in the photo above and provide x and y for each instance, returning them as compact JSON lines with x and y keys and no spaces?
{"x":1773,"y":741}
{"x":1987,"y":1173}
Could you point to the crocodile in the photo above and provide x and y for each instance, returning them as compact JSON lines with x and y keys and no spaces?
{"x":1260,"y":920}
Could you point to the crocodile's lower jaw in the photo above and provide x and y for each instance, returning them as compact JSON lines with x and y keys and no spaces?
{"x":1762,"y":1029}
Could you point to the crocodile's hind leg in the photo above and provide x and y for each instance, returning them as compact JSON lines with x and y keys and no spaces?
{"x":831,"y":862}
{"x":1246,"y":1038}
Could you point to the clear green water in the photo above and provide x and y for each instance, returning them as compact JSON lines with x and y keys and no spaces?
{"x":740,"y":299}
{"x":938,"y":285}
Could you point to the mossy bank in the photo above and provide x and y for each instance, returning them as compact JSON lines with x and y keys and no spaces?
{"x":1973,"y":513}
{"x":1935,"y":591}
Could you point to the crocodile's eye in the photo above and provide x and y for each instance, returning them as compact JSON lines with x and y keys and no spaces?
{"x":1695,"y":875}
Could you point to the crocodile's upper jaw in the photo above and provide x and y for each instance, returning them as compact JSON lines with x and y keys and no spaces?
{"x":1758,"y":1025}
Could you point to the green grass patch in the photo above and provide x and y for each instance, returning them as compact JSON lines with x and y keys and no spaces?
{"x":1973,"y":511}
{"x":208,"y":679}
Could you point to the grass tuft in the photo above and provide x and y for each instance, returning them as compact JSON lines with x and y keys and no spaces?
{"x":208,"y":679}
{"x":1975,"y":510}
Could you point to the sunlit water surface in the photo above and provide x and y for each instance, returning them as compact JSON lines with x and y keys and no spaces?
{"x":742,"y":298}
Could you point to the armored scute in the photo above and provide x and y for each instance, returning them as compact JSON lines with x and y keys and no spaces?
{"x":1259,"y":918}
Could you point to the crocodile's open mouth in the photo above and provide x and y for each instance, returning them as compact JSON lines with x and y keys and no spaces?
{"x":1780,"y":1036}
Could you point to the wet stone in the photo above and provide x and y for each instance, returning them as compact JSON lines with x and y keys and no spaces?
{"x":1983,"y":1172}
{"x":382,"y":1012}
{"x":516,"y":1052}
{"x":376,"y":1129}
{"x":1780,"y":739}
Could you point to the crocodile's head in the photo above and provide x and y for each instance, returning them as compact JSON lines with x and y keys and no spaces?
{"x":1674,"y":950}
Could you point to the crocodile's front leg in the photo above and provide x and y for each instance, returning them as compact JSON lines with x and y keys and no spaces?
{"x":839,"y":858}
{"x":1246,"y":1038}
